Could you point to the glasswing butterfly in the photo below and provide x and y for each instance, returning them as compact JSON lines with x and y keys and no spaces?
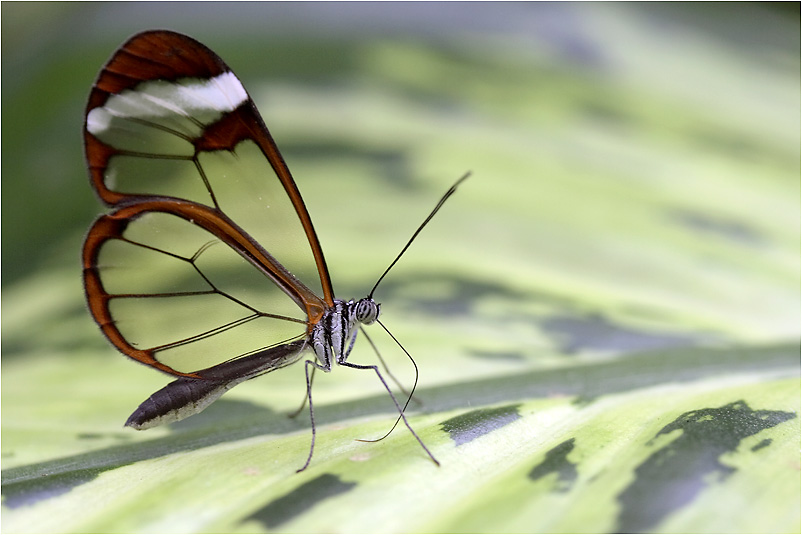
{"x":197,"y":270}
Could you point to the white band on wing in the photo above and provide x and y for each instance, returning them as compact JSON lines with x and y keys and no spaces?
{"x":159,"y":98}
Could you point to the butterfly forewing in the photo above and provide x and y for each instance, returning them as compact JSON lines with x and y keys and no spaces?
{"x":179,"y":275}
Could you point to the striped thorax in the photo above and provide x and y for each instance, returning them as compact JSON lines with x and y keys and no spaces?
{"x":334,"y":335}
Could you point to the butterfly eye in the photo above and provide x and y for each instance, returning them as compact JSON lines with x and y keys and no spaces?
{"x":367,"y":311}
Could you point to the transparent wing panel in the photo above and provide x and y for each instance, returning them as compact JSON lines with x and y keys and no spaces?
{"x":142,"y":175}
{"x":177,"y":289}
{"x":249,"y":192}
{"x":156,"y":155}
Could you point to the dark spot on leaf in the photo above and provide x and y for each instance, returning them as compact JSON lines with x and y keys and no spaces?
{"x":583,"y":400}
{"x":498,"y":355}
{"x":729,"y":229}
{"x":674,"y":475}
{"x":556,"y":462}
{"x":101,"y":436}
{"x":458,"y":297}
{"x":607,"y":113}
{"x":30,"y":491}
{"x":296,"y":502}
{"x":474,"y":424}
{"x":735,"y":146}
{"x":595,"y":332}
{"x":89,"y":436}
{"x":762,"y":444}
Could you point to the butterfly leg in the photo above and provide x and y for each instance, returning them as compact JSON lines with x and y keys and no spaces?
{"x":395,"y":401}
{"x":296,"y":412}
{"x":309,"y":377}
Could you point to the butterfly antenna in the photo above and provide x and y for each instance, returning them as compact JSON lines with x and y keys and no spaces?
{"x":440,"y":203}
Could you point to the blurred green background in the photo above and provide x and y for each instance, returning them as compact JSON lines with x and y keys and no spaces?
{"x":593,"y":132}
{"x":636,"y":187}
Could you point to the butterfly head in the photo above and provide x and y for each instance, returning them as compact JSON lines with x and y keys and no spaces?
{"x":367,"y":310}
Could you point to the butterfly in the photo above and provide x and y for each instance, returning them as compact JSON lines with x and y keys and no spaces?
{"x":201,"y":269}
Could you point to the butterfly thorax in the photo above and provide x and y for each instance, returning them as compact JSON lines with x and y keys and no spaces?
{"x":334,"y":335}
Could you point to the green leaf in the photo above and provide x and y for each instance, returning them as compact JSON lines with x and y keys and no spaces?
{"x":605,"y":316}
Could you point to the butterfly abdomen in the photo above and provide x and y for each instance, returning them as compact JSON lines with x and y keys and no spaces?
{"x":176,"y":401}
{"x":190,"y":395}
